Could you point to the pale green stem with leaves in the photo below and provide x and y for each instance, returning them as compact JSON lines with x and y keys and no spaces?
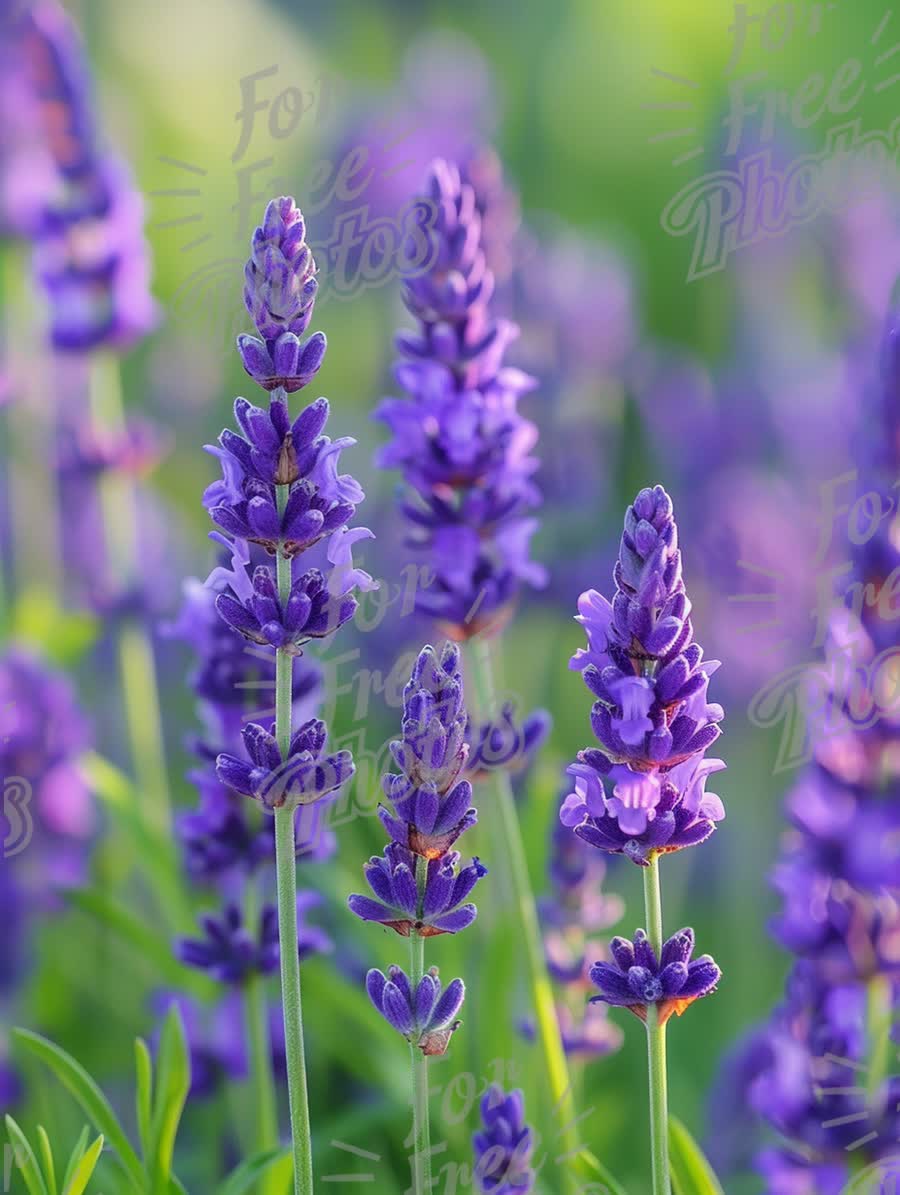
{"x":286,"y":867}
{"x":421,"y":1114}
{"x":137,"y":666}
{"x":656,"y":1041}
{"x":510,"y":854}
{"x":262,"y":1078}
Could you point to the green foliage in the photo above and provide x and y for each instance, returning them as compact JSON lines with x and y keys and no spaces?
{"x":38,"y":1170}
{"x":160,"y":1099}
{"x":691,"y":1172}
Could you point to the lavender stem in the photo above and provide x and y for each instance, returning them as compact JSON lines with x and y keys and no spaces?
{"x":421,"y":1113}
{"x":656,"y":1040}
{"x":286,"y":867}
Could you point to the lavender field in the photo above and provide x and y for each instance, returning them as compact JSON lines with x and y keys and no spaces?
{"x":449,"y":598}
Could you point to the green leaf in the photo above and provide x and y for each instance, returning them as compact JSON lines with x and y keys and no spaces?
{"x":79,"y":1083}
{"x":85,"y":1168}
{"x":243,"y":1178}
{"x":75,"y":1157}
{"x":24,"y":1158}
{"x":588,"y":1164}
{"x":47,"y":1158}
{"x":173,"y":1081}
{"x":143,"y":1065}
{"x":691,"y":1172}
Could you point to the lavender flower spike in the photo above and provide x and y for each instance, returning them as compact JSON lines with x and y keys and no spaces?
{"x":432,"y":806}
{"x":279,"y":291}
{"x":504,"y":1146}
{"x":642,"y":791}
{"x":636,"y":977}
{"x":426,"y":1016}
{"x":463,"y":448}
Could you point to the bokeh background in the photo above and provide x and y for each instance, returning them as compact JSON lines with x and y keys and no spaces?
{"x":740,"y":391}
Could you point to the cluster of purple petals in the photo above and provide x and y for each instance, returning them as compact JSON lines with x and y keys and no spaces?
{"x":231,"y":951}
{"x":642,"y":790}
{"x":505,"y":742}
{"x":503,"y":1145}
{"x":426,"y":1016}
{"x":636,"y":977}
{"x":429,"y":808}
{"x":90,"y":254}
{"x":462,"y":446}
{"x":805,"y":1073}
{"x":419,"y":885}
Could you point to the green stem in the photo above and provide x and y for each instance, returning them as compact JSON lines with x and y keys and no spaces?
{"x":512,"y":856}
{"x":421,"y":1161}
{"x":656,"y":1041}
{"x":286,"y":867}
{"x":137,"y":668}
{"x":262,"y":1078}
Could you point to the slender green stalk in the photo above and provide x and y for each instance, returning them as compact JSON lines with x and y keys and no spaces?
{"x":262,"y":1079}
{"x":286,"y":868}
{"x":656,"y":1042}
{"x":421,"y":1115}
{"x":137,"y":667}
{"x":511,"y":856}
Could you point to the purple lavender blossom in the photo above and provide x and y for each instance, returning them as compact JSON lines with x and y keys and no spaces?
{"x":431,"y":804}
{"x":426,"y":1017}
{"x":279,"y":293}
{"x":651,"y":715}
{"x":214,"y":1038}
{"x":504,"y":1145}
{"x":636,"y":977}
{"x":459,"y":441}
{"x":305,"y":776}
{"x":231,"y":952}
{"x":90,"y":253}
{"x":504,"y":742}
{"x":837,"y":878}
{"x":439,"y":909}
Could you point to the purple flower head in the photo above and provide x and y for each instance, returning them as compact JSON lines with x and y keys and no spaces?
{"x":441,"y":907}
{"x":641,"y":664}
{"x":504,"y":743}
{"x":90,"y":253}
{"x":636,"y":978}
{"x":503,"y":1146}
{"x":643,"y":789}
{"x":462,"y":446}
{"x":645,"y":812}
{"x":426,"y":1017}
{"x":431,"y":805}
{"x":310,"y":612}
{"x":305,"y":776}
{"x":279,"y":293}
{"x":231,"y":952}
